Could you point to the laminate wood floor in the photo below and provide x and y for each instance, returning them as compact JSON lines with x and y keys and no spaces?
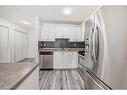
{"x":60,"y":80}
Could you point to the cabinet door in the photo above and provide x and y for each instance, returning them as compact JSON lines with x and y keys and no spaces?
{"x":65,"y":32}
{"x":58,"y":32}
{"x":4,"y":44}
{"x":51,"y":32}
{"x":46,"y":32}
{"x":46,"y":35}
{"x":72,"y":34}
{"x":69,"y":59}
{"x":74,"y":60}
{"x":43,"y":35}
{"x":57,"y":60}
{"x":66,"y":60}
{"x":78,"y":34}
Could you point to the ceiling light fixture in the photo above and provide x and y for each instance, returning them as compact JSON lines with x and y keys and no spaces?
{"x":67,"y":11}
{"x":25,"y":22}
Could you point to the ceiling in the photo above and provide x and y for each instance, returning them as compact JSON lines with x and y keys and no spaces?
{"x":46,"y":13}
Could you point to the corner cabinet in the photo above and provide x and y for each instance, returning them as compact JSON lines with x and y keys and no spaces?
{"x":65,"y":60}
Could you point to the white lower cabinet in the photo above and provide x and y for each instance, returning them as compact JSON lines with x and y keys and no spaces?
{"x":65,"y":60}
{"x":74,"y":60}
{"x":57,"y":60}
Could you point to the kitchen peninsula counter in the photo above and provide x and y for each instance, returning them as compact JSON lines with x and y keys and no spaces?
{"x":13,"y":74}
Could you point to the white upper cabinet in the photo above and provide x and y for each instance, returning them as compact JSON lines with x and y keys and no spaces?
{"x":65,"y":32}
{"x":43,"y":34}
{"x":48,"y":33}
{"x":52,"y":31}
{"x":78,"y":34}
{"x":75,"y":34}
{"x":58,"y":32}
{"x":72,"y":34}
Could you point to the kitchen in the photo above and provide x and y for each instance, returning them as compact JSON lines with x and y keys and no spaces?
{"x":63,"y":47}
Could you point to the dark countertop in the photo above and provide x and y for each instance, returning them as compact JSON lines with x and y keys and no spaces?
{"x":13,"y":74}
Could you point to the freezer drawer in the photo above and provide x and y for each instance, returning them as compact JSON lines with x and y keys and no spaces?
{"x":90,"y":81}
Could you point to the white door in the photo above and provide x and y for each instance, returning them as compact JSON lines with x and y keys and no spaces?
{"x":51,"y":32}
{"x":17,"y":46}
{"x":24,"y":45}
{"x":20,"y":45}
{"x":4,"y":44}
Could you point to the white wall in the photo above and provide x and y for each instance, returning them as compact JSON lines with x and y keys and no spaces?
{"x":11,"y":27}
{"x":33,"y":37}
{"x":31,"y":44}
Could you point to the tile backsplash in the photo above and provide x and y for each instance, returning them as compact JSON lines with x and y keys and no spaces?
{"x":60,"y":44}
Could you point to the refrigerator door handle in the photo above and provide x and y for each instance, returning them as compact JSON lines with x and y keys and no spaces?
{"x":95,"y":44}
{"x":91,"y":43}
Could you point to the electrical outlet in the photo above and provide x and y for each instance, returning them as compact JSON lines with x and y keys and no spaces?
{"x":44,"y":45}
{"x":74,"y":45}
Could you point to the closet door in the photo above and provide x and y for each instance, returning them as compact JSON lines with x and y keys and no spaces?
{"x":20,"y":45}
{"x":24,"y":45}
{"x":4,"y":44}
{"x":17,"y":46}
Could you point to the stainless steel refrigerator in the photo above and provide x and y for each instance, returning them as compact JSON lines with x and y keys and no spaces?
{"x":106,"y":48}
